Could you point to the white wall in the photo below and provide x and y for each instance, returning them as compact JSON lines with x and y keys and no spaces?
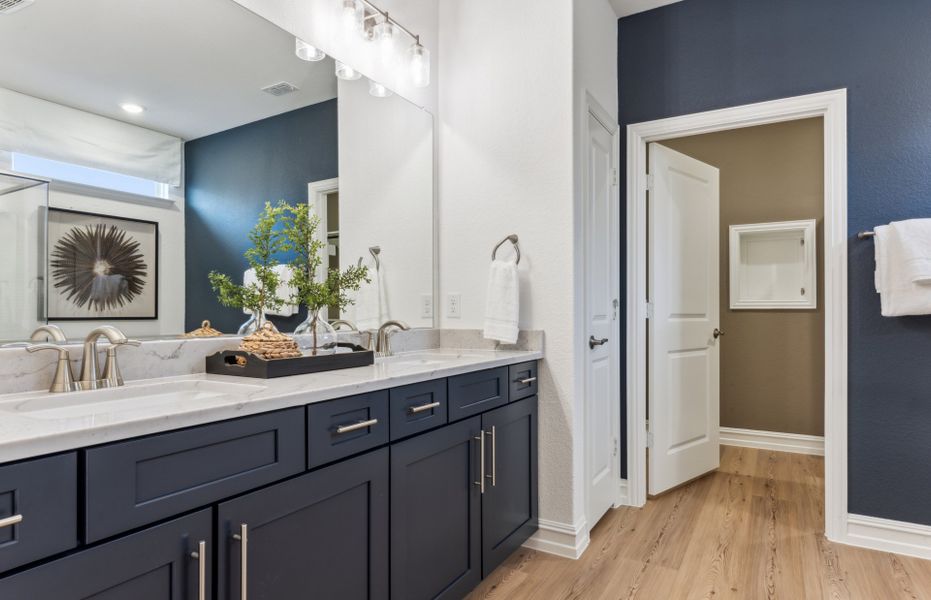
{"x":505,"y":148}
{"x":386,"y":195}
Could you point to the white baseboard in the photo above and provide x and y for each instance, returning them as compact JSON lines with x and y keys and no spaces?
{"x":772,"y":440}
{"x":887,"y":535}
{"x":623,"y":494}
{"x":561,"y":539}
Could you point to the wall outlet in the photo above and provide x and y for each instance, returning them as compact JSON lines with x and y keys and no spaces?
{"x":426,"y":306}
{"x":454,"y":306}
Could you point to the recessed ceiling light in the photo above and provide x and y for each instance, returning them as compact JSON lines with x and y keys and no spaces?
{"x":133,"y":109}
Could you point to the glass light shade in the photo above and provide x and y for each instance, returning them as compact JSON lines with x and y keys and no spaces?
{"x":384,"y":34}
{"x":419,"y":63}
{"x":353,"y":15}
{"x":378,"y":90}
{"x":305,"y":51}
{"x":344,"y":71}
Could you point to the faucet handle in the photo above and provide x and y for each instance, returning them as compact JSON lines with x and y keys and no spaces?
{"x":63,"y":381}
{"x":111,"y":368}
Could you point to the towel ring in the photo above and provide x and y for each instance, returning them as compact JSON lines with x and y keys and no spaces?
{"x":511,"y":238}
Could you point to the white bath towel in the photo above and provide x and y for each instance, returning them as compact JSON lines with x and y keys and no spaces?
{"x":371,"y":307}
{"x":502,"y":303}
{"x":915,"y":237}
{"x":899,"y":294}
{"x":285,"y":291}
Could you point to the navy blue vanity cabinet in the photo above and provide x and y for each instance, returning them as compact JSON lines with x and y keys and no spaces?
{"x":436,"y":514}
{"x":153,"y":564}
{"x":340,"y":428}
{"x":474,"y":393}
{"x":321,"y":535}
{"x":417,"y":408}
{"x":38,"y":509}
{"x":140,"y":481}
{"x":509,"y":504}
{"x":522,"y":380}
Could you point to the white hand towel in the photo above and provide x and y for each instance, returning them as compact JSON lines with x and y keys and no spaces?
{"x":915,"y":238}
{"x":899,"y":294}
{"x":502,"y":305}
{"x":285,"y":290}
{"x":371,"y":307}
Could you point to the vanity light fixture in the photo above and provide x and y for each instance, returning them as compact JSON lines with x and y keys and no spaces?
{"x":305,"y":51}
{"x":376,"y":24}
{"x":131,"y":108}
{"x":344,"y":71}
{"x":353,"y":15}
{"x":378,"y":90}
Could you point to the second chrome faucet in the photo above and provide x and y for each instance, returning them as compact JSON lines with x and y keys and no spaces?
{"x":91,"y":376}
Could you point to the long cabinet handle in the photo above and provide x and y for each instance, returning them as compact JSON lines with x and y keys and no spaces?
{"x":356,"y":426}
{"x":494,"y":457}
{"x":243,"y":537}
{"x":10,"y":521}
{"x":201,"y":555}
{"x":526,"y":380}
{"x":419,"y":409}
{"x":481,"y":461}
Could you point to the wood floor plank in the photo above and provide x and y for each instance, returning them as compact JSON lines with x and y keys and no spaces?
{"x":752,"y":530}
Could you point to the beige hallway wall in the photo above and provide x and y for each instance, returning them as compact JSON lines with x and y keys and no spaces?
{"x":772,"y":362}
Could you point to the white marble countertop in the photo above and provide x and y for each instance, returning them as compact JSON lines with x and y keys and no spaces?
{"x":37,"y":423}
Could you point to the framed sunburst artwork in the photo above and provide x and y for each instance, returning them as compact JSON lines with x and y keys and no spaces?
{"x":101,"y":267}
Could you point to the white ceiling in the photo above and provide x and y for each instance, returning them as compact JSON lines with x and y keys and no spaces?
{"x":624,"y":8}
{"x":198,"y":66}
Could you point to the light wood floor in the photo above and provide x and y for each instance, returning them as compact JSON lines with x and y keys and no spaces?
{"x":751,"y":530}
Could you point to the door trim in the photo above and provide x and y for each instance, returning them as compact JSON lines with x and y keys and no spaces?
{"x":832,"y":107}
{"x":591,"y":107}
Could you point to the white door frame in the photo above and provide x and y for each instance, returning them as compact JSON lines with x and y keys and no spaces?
{"x":590,"y":106}
{"x":317,"y":192}
{"x":832,"y":107}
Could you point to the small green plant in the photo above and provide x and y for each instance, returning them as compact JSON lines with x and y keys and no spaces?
{"x":267,"y":243}
{"x":299,"y":227}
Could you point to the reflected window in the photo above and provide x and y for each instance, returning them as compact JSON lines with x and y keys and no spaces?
{"x":62,"y":171}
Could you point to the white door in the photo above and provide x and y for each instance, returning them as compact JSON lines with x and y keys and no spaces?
{"x":684,"y":379}
{"x":601,"y":273}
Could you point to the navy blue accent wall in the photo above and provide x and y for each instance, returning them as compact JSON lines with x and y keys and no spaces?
{"x":705,"y":54}
{"x":228,"y":178}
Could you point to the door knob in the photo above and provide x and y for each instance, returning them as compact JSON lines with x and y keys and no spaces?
{"x":717,"y":333}
{"x":592,"y":342}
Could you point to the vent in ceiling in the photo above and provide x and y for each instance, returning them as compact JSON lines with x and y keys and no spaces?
{"x":11,"y":6}
{"x":278,"y":89}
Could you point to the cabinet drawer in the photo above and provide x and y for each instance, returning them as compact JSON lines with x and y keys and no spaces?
{"x":473,"y":393}
{"x":341,"y":428}
{"x":418,"y":407}
{"x":137,"y":482}
{"x":38,"y":509}
{"x":522,"y":380}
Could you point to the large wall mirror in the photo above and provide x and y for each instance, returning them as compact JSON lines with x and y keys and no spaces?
{"x":162,"y":129}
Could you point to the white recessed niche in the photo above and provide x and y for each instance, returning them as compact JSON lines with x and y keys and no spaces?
{"x":773,"y":266}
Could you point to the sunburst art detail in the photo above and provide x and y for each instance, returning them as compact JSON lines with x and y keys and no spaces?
{"x":99,"y":267}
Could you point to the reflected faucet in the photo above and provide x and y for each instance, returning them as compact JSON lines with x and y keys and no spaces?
{"x":91,"y":378}
{"x":383,"y":347}
{"x":49,"y":331}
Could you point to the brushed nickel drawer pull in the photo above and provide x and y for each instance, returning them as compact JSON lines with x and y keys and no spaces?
{"x":201,"y":555}
{"x":243,"y":537}
{"x":527,"y":380}
{"x":356,"y":426}
{"x":481,"y":461}
{"x":10,"y":521}
{"x":419,"y":409}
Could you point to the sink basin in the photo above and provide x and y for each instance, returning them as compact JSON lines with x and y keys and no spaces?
{"x":129,"y":398}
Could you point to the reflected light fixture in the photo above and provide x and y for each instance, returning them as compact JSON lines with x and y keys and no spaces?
{"x":353,"y":15}
{"x":378,"y":90}
{"x":305,"y":51}
{"x":132,"y":108}
{"x":344,"y":71}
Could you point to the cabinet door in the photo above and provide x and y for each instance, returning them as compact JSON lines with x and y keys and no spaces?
{"x":509,"y":505}
{"x":436,"y":514}
{"x":154,"y":564}
{"x":321,"y":535}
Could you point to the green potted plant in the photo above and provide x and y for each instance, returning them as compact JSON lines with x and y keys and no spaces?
{"x":333,"y":288}
{"x":262,"y":294}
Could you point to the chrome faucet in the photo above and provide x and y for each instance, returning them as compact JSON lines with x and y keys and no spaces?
{"x":383,"y":346}
{"x":91,"y":378}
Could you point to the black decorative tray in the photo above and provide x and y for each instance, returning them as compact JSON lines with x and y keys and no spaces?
{"x":240,"y":363}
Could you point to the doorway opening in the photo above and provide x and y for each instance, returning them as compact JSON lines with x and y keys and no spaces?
{"x":674,"y":346}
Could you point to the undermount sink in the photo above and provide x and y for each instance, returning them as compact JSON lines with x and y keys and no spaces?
{"x":131,"y":397}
